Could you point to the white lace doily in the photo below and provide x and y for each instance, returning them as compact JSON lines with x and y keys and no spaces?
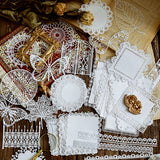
{"x":27,"y":154}
{"x":10,"y":114}
{"x":150,"y":106}
{"x":129,"y":64}
{"x":68,"y":93}
{"x":14,"y":45}
{"x":102,"y":17}
{"x":18,"y":86}
{"x":115,"y":125}
{"x":59,"y":31}
{"x":78,"y":133}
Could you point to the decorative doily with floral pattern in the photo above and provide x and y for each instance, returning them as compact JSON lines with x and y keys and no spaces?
{"x":102,"y":17}
{"x":59,"y":31}
{"x":14,"y":45}
{"x":68,"y":93}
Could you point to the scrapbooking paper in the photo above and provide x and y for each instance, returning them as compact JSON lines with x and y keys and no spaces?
{"x":116,"y":125}
{"x":149,"y":104}
{"x":115,"y":89}
{"x":129,"y":62}
{"x":78,"y":133}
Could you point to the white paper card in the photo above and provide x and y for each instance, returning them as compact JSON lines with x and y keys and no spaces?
{"x":82,"y":131}
{"x":150,"y":105}
{"x":129,"y":63}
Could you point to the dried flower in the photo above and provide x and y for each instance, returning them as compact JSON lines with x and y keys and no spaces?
{"x":86,"y":18}
{"x":86,"y":1}
{"x":60,"y":9}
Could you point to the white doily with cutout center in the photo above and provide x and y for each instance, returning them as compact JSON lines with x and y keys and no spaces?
{"x":68,"y":93}
{"x":102,"y":17}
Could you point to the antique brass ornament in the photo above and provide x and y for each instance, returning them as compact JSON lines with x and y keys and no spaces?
{"x":24,"y":53}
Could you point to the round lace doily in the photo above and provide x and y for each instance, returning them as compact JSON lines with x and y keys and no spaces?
{"x":60,"y":31}
{"x":18,"y":86}
{"x":68,"y":93}
{"x":102,"y":17}
{"x":14,"y":45}
{"x":27,"y":154}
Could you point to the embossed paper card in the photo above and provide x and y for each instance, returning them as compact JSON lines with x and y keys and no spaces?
{"x":78,"y":133}
{"x":150,"y":105}
{"x":129,"y":62}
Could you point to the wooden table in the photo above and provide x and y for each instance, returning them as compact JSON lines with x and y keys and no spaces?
{"x":6,"y":154}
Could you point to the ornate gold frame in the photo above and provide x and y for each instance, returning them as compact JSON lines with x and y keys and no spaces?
{"x":38,"y":33}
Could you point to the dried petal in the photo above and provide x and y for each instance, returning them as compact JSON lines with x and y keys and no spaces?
{"x":86,"y":18}
{"x":60,"y":8}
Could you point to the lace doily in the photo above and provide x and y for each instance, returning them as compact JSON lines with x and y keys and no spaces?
{"x":14,"y":45}
{"x":80,"y":55}
{"x":59,"y":31}
{"x":18,"y":87}
{"x":48,"y":70}
{"x":10,"y":114}
{"x":78,"y":133}
{"x":129,"y":63}
{"x":26,"y":154}
{"x":102,"y":17}
{"x":150,"y":105}
{"x":68,"y":93}
{"x":116,"y":125}
{"x":18,"y":136}
{"x":42,"y":109}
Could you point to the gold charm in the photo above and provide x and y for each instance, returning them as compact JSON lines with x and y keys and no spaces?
{"x":133,"y":104}
{"x":24,"y":53}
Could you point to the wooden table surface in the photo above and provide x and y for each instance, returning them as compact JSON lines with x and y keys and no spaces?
{"x":6,"y":154}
